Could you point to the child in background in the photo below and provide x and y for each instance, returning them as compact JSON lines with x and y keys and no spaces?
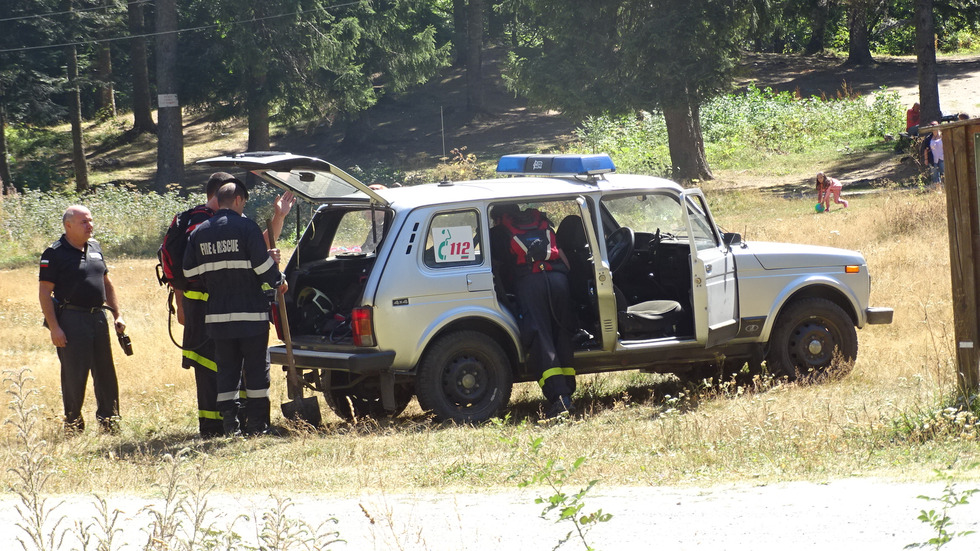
{"x":828,"y":187}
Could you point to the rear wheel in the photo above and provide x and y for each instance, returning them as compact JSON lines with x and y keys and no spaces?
{"x":813,"y":338}
{"x":465,"y":377}
{"x":362,"y":398}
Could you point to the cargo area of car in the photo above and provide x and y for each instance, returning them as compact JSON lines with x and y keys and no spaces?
{"x":328,"y":272}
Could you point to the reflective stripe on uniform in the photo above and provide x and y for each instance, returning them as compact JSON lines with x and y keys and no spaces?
{"x":567,"y":371}
{"x":220,"y":265}
{"x":204,"y":362}
{"x":260,"y":393}
{"x":206,"y":414}
{"x":236,"y":316}
{"x":269,"y":263}
{"x":227,"y":396}
{"x":196,"y":295}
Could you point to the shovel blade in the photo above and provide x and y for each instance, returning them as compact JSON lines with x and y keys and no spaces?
{"x":303,"y":409}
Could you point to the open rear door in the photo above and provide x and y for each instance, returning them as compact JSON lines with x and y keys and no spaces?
{"x":312,"y":179}
{"x":715,"y":292}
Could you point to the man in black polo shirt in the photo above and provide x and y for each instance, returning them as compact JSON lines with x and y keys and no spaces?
{"x":74,"y":272}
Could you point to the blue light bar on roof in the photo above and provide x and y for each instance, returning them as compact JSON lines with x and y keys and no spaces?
{"x":555,"y":165}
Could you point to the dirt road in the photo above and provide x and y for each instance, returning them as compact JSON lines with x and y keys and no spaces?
{"x":859,"y":513}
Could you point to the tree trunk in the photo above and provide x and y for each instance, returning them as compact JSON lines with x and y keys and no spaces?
{"x":858,"y":44}
{"x":142,"y":111}
{"x":258,"y":114}
{"x":170,"y":146}
{"x":819,"y":14}
{"x":688,"y":161}
{"x":103,"y":71}
{"x":925,"y":52}
{"x":75,"y":114}
{"x":5,"y":181}
{"x":459,"y":32}
{"x":474,"y":57}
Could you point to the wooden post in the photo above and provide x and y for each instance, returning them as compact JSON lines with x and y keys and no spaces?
{"x":961,"y":148}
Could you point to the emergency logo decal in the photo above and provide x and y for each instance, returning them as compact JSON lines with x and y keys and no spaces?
{"x":456,"y":244}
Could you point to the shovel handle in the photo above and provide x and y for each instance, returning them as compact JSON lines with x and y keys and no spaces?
{"x":294,"y":389}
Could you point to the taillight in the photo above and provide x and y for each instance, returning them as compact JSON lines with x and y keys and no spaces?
{"x":362,"y":326}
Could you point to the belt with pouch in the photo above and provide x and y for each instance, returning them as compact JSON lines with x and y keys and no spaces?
{"x":89,"y":309}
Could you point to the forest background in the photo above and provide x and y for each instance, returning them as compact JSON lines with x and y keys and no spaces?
{"x":320,"y":74}
{"x":371,"y":85}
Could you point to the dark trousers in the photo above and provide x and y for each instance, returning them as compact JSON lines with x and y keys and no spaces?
{"x":239,"y":358}
{"x":198,"y":353}
{"x":546,"y":324}
{"x":88,"y":351}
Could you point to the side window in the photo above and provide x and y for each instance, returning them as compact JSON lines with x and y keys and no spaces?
{"x":704,"y":234}
{"x":358,"y":233}
{"x":453,"y":239}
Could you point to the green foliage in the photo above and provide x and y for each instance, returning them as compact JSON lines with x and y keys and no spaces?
{"x":127,"y":223}
{"x":739,"y":128}
{"x":940,"y":520}
{"x":39,"y":152}
{"x":554,"y":474}
{"x":951,"y":419}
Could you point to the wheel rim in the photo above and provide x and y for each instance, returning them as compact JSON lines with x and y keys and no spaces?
{"x":465,"y":380}
{"x":812,"y":345}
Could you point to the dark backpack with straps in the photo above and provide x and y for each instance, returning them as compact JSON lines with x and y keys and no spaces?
{"x":170,"y":269}
{"x":533,"y":242}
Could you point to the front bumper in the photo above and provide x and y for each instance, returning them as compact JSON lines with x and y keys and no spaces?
{"x":361,"y":363}
{"x":879,"y":315}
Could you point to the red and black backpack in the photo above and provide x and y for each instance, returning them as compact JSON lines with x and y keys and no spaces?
{"x":170,"y":269}
{"x":533,"y":241}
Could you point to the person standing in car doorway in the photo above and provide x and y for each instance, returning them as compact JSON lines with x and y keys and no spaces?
{"x":229,"y":253}
{"x":540,"y":283}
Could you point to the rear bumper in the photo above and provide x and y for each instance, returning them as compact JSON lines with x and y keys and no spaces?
{"x":879,"y":316}
{"x":354,"y":362}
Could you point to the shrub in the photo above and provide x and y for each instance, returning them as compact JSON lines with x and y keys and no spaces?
{"x":127,"y":223}
{"x":736,"y":126}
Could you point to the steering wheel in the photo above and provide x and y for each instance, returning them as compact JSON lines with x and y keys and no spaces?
{"x":620,"y":245}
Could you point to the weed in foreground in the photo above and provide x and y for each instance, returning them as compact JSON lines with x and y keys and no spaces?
{"x":940,"y":521}
{"x":550,"y":473}
{"x":185,"y":521}
{"x":37,"y":519}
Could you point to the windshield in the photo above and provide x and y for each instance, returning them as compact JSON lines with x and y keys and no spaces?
{"x":647,"y":213}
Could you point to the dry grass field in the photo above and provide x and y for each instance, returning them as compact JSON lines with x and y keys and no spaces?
{"x":884,"y":419}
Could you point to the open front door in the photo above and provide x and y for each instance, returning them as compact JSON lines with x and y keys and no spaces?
{"x":605,"y":297}
{"x":715,"y":293}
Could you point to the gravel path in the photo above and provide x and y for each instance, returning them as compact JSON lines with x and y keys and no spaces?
{"x":866,"y":514}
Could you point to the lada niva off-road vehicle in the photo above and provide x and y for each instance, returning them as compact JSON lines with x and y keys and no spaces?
{"x":393,"y":294}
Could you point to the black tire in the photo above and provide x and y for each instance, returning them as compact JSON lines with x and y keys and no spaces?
{"x":364,"y":398}
{"x":464,"y":377}
{"x":813,"y":339}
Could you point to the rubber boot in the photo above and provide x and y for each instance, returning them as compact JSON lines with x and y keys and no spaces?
{"x":229,"y":421}
{"x":258,"y":415}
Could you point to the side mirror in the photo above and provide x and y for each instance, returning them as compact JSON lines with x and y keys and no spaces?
{"x":731,"y":239}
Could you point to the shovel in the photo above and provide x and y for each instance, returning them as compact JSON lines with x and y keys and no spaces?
{"x":298,"y":407}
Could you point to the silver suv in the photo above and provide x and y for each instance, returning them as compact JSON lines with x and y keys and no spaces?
{"x":393,"y":293}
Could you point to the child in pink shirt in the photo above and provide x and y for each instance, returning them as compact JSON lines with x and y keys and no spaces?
{"x":828,"y":187}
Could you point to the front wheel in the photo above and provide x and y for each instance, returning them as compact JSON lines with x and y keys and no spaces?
{"x":813,"y":338}
{"x":465,"y":377}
